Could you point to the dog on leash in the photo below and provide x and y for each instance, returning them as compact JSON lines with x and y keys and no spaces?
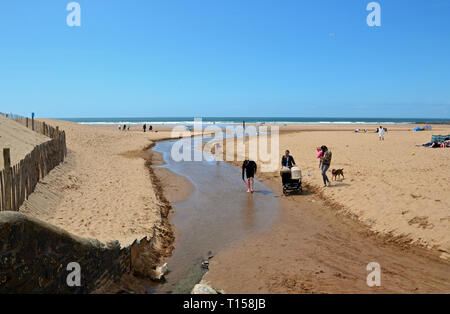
{"x":338,"y":173}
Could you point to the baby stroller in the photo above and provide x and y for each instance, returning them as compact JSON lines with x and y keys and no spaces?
{"x":292,"y":180}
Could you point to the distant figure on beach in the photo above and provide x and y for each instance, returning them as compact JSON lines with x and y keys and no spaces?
{"x":324,"y":164}
{"x":427,"y":144}
{"x":288,"y":160}
{"x":124,"y":127}
{"x":249,"y":168}
{"x":243,"y":124}
{"x":145,"y":128}
{"x":128,"y":128}
{"x":435,"y":144}
{"x":381,"y":132}
{"x":119,"y":127}
{"x":150,"y":128}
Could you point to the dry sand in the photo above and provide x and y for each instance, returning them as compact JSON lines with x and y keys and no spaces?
{"x":392,"y":186}
{"x":103,"y":190}
{"x":18,"y":138}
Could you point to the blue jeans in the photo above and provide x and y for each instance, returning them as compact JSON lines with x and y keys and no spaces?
{"x":324,"y":173}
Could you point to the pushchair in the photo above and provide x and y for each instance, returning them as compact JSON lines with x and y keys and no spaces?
{"x":291,"y":179}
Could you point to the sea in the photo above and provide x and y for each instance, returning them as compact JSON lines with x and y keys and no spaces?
{"x":254,"y":120}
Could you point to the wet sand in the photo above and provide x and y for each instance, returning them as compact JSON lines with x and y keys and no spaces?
{"x":313,"y":249}
{"x":321,"y":246}
{"x":176,"y":188}
{"x":393,"y":186}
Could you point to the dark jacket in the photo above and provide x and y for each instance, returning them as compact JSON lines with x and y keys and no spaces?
{"x":326,"y":158}
{"x":249,"y":169}
{"x":287,"y":162}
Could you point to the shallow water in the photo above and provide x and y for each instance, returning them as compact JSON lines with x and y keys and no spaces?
{"x":219,"y":213}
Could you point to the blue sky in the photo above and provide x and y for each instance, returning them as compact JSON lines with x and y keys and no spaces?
{"x":225,"y":58}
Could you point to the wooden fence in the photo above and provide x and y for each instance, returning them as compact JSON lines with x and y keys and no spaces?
{"x":17,"y":182}
{"x":35,"y":125}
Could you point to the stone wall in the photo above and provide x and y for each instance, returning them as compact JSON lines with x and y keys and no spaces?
{"x":34,"y":256}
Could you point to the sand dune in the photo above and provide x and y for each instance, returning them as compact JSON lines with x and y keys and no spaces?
{"x":100,"y":191}
{"x":18,"y":138}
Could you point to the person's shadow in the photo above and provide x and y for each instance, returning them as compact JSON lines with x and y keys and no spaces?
{"x":338,"y":184}
{"x":263,"y":192}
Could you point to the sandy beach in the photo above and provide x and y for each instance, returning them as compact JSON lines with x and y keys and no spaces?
{"x":390,"y":206}
{"x":311,"y":249}
{"x":103,"y":190}
{"x":390,"y":201}
{"x":392,"y":186}
{"x":113,"y":119}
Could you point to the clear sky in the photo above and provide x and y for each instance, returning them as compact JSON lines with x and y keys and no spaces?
{"x":314,"y":58}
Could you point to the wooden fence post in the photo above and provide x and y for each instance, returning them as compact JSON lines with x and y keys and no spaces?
{"x":19,"y":181}
{"x":57,"y":140}
{"x":8,"y":186}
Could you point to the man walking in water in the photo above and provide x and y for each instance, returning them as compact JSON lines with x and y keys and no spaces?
{"x":249,"y":168}
{"x":324,"y":164}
